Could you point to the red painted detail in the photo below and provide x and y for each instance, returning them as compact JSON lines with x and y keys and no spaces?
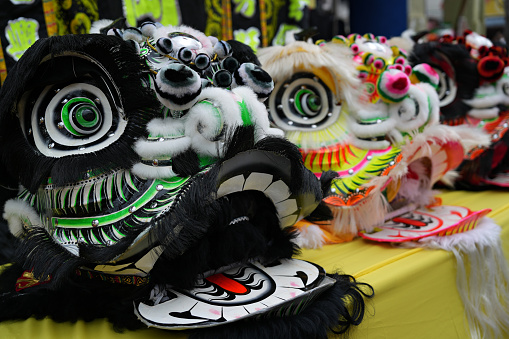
{"x":311,"y":158}
{"x":343,"y":154}
{"x":412,"y":222}
{"x":456,"y":213}
{"x":320,"y":160}
{"x":338,"y":159}
{"x":227,"y":284}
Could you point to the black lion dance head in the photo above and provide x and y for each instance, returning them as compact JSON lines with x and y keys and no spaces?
{"x":149,"y":176}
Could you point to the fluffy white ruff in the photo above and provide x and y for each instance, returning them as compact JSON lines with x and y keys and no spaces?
{"x":428,"y":113}
{"x":175,"y":142}
{"x":488,"y":96}
{"x":19,"y":214}
{"x":198,"y":120}
{"x":449,"y":178}
{"x":369,"y":144}
{"x":372,"y":130}
{"x":282,"y":62}
{"x":484,"y":113}
{"x":482,"y":277}
{"x":417,"y":191}
{"x":469,"y":136}
{"x":310,"y":237}
{"x":364,"y":215}
{"x":257,"y":112}
{"x":152,"y":172}
{"x":97,"y":25}
{"x":167,"y":148}
{"x":435,"y":134}
{"x":159,"y":127}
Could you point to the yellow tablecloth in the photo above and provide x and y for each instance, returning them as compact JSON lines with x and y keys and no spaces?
{"x":416,"y":295}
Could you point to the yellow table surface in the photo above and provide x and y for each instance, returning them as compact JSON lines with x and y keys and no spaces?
{"x":416,"y":295}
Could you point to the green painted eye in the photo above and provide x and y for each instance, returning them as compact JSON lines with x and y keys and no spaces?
{"x":307,"y":102}
{"x":81,"y":116}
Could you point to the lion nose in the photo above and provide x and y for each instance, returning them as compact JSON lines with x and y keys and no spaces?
{"x":393,"y":85}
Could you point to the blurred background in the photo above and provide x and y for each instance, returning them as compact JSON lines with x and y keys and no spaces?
{"x":257,"y":23}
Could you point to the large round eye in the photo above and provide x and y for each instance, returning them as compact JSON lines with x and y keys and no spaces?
{"x":303,"y":102}
{"x":81,"y":115}
{"x":446,"y":88}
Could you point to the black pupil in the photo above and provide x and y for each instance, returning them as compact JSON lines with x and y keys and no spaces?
{"x":88,"y":114}
{"x":315,"y":102}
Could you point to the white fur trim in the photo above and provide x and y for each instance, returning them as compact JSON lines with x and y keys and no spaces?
{"x":165,"y":127}
{"x":364,"y":215}
{"x":153,"y":149}
{"x":226,"y":103}
{"x":257,"y":111}
{"x":98,"y":25}
{"x":408,"y":122}
{"x":469,"y":136}
{"x":19,"y":214}
{"x":310,"y":237}
{"x":372,"y":130}
{"x":153,"y":172}
{"x":283,"y":62}
{"x":484,"y":113}
{"x":205,"y":119}
{"x":368,"y":144}
{"x":449,"y":178}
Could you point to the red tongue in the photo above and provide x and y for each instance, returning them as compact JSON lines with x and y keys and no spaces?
{"x":227,"y":283}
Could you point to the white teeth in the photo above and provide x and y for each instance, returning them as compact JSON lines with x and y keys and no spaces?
{"x":277,"y":191}
{"x":231,"y":185}
{"x":287,"y":207}
{"x":258,"y":181}
{"x":232,"y":313}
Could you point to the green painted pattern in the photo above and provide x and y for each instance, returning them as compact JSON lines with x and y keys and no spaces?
{"x":297,"y":101}
{"x":244,"y":114}
{"x":65,"y":113}
{"x":373,"y":168}
{"x":171,"y":184}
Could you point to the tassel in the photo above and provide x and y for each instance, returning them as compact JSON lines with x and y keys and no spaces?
{"x":482,"y":277}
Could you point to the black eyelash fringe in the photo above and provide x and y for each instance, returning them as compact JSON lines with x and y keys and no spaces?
{"x":38,"y":252}
{"x":139,"y":103}
{"x":75,"y":300}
